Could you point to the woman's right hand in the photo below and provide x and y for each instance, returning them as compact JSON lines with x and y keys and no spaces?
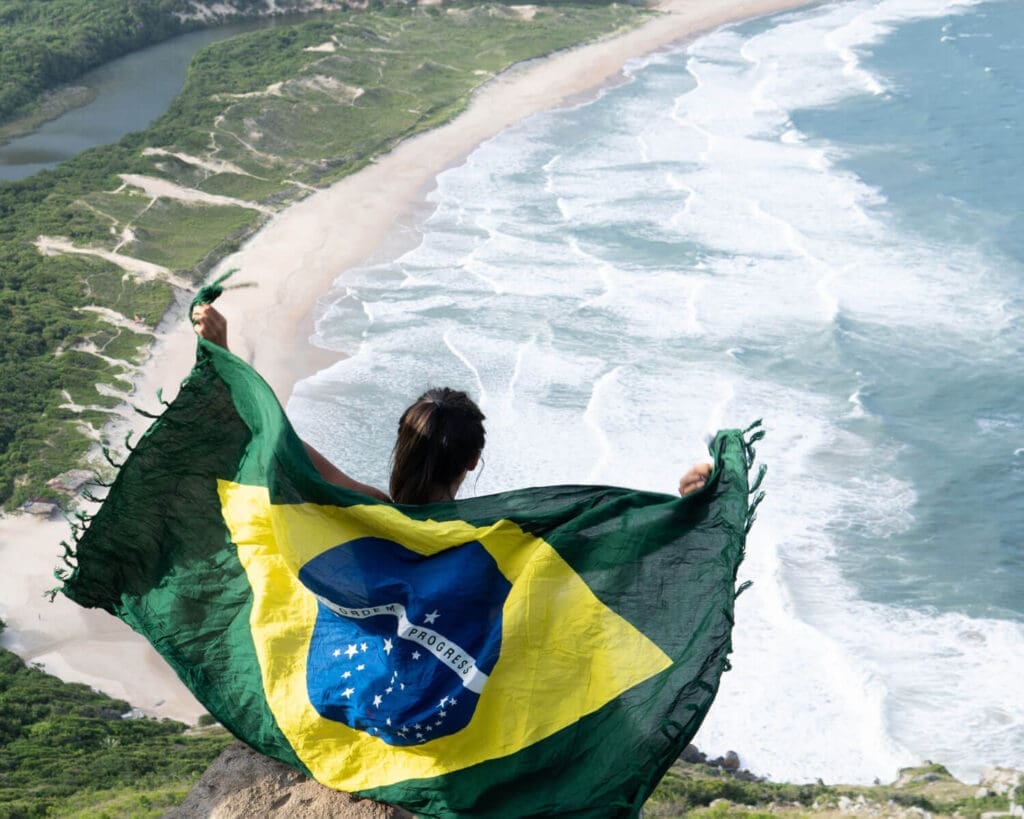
{"x":210,"y":324}
{"x":694,"y":479}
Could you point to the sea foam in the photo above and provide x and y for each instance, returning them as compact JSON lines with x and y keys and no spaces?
{"x":616,"y":280}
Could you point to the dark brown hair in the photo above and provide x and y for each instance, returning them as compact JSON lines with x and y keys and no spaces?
{"x":439,"y":437}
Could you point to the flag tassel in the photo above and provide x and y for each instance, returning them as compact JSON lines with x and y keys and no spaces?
{"x":144,"y":413}
{"x":761,"y":472}
{"x":110,"y":458}
{"x":746,"y":584}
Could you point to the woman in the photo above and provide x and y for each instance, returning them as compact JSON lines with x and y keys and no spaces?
{"x":440,"y":439}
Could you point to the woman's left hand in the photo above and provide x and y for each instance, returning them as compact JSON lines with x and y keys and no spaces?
{"x":694,"y":479}
{"x":210,"y":324}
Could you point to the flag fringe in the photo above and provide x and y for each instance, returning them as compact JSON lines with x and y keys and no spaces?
{"x":677,"y":736}
{"x":208,"y":294}
{"x":146,"y":414}
{"x":78,"y":521}
{"x":761,"y":472}
{"x":746,"y":584}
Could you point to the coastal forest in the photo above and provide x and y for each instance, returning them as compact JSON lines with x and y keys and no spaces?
{"x":44,"y":45}
{"x":64,"y":745}
{"x":91,"y":258}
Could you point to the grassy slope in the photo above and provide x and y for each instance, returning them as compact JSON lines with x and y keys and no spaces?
{"x":392,"y":73}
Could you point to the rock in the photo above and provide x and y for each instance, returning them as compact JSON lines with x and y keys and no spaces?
{"x":846,"y":804}
{"x":729,"y":762}
{"x":692,"y":754}
{"x":244,"y":783}
{"x":930,"y":772}
{"x":1000,"y":780}
{"x":721,"y":804}
{"x":41,"y":508}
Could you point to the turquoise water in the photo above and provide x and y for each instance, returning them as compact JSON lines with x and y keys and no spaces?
{"x":814,"y":219}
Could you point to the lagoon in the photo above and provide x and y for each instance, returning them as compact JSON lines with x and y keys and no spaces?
{"x":126,"y":95}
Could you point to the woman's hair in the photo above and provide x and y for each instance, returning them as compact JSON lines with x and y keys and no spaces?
{"x":439,"y":437}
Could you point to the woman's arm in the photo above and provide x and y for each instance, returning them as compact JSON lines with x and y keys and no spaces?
{"x":211,"y":325}
{"x":330,"y":473}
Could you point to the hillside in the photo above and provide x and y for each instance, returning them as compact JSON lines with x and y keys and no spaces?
{"x":64,"y":745}
{"x":93,"y":253}
{"x":46,"y":46}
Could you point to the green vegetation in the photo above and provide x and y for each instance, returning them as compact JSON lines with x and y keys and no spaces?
{"x":46,"y":45}
{"x":703,"y":791}
{"x":66,"y":750}
{"x":262,"y":118}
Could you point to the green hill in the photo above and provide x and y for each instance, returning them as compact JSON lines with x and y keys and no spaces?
{"x":64,"y":747}
{"x":262,"y":120}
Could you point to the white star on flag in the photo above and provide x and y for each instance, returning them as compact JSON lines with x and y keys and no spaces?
{"x":363,"y":647}
{"x":430,"y":618}
{"x":346,"y":675}
{"x":361,"y":667}
{"x":387,"y":646}
{"x":337,"y":652}
{"x":348,"y":692}
{"x":351,"y":651}
{"x":415,"y":655}
{"x":377,"y":700}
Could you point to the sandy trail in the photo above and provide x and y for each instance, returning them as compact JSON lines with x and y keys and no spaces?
{"x":161,"y":188}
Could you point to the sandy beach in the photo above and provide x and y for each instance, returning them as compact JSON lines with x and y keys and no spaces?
{"x":292,"y":262}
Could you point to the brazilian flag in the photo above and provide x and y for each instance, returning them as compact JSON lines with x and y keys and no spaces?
{"x":547,"y":651}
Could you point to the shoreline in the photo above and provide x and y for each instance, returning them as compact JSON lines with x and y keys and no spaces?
{"x":53,"y":104}
{"x":295,"y":258}
{"x":293,"y":261}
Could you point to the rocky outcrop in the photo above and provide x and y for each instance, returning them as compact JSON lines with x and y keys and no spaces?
{"x":244,"y":783}
{"x":1003,"y":782}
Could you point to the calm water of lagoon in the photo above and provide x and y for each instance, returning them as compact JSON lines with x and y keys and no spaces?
{"x":130,"y":92}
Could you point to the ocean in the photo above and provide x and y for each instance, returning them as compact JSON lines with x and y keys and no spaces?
{"x":816,"y":219}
